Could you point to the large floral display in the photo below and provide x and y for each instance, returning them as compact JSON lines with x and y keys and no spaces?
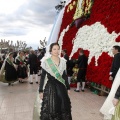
{"x":96,"y":35}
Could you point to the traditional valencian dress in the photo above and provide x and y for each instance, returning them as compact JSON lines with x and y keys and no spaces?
{"x":8,"y":72}
{"x":22,"y":68}
{"x":108,"y":108}
{"x":54,"y":84}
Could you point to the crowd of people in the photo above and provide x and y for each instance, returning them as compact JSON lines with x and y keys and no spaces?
{"x":19,"y":66}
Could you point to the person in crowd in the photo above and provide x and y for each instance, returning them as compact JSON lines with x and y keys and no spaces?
{"x":115,"y":63}
{"x":33,"y":66}
{"x":0,"y":62}
{"x":4,"y":56}
{"x":64,"y":53}
{"x":40,"y":56}
{"x":69,"y":70}
{"x":56,"y":104}
{"x":116,"y":103}
{"x":14,"y":55}
{"x":26,"y":60}
{"x":21,"y":67}
{"x":82,"y":64}
{"x":10,"y":70}
{"x":26,"y":56}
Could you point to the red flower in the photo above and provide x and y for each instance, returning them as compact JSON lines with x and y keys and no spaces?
{"x":118,"y":39}
{"x":21,"y":63}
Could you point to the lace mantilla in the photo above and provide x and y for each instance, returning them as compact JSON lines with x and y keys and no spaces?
{"x":61,"y":68}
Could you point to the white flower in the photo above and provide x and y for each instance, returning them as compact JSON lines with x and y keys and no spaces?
{"x":94,"y":38}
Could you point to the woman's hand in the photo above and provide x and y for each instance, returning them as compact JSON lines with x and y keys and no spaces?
{"x":110,"y":78}
{"x":41,"y":95}
{"x":115,"y":101}
{"x":68,"y":92}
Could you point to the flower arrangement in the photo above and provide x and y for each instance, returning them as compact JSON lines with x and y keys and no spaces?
{"x":96,"y":36}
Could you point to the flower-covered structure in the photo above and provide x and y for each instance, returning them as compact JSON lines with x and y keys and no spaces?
{"x":96,"y":34}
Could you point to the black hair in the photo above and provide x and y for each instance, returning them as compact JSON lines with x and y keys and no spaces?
{"x":51,"y":46}
{"x":65,"y":50}
{"x":21,"y":52}
{"x":11,"y":53}
{"x":81,"y":51}
{"x":116,"y":47}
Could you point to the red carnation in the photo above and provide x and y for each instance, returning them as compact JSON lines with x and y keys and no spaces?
{"x":118,"y":39}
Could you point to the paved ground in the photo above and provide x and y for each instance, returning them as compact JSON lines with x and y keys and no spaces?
{"x":16,"y":103}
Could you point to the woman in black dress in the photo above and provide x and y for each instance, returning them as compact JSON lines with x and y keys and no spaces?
{"x":56,"y":104}
{"x":10,"y":70}
{"x":22,"y":66}
{"x":0,"y":62}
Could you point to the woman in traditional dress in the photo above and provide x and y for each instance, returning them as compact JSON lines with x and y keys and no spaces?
{"x":22,"y":67}
{"x":10,"y":70}
{"x":56,"y":104}
{"x":108,"y":108}
{"x":40,"y":56}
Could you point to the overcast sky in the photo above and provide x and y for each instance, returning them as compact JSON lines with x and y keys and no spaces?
{"x":27,"y":20}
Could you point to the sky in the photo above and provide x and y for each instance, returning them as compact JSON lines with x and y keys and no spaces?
{"x":27,"y":20}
